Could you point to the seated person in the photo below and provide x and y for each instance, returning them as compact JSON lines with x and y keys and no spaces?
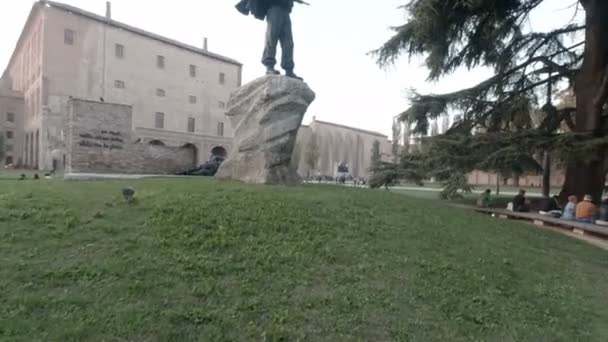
{"x":520,"y":204}
{"x":485,"y":201}
{"x":604,"y":210}
{"x":552,"y":207}
{"x":570,"y":209}
{"x":586,"y":211}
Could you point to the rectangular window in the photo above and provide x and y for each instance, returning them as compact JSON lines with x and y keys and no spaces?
{"x":69,"y":36}
{"x":160,"y":92}
{"x":191,"y":125}
{"x":10,"y":117}
{"x":10,"y":135}
{"x":159,"y":120}
{"x":222,"y":78}
{"x":119,"y":51}
{"x":119,"y":84}
{"x":160,"y":62}
{"x":192,"y":99}
{"x":221,"y":104}
{"x":220,"y":129}
{"x":9,"y":148}
{"x":192,"y":70}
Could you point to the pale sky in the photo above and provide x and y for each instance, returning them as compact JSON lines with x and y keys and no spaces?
{"x":332,"y":39}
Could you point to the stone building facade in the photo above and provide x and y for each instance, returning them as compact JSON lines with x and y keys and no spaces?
{"x":177,"y":92}
{"x":339,"y":144}
{"x":11,"y":121}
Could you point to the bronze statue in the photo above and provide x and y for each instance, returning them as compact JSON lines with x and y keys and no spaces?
{"x":278,"y":15}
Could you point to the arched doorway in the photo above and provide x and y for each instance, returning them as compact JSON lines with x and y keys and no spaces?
{"x":193,"y":152}
{"x":156,"y":143}
{"x":219,"y":151}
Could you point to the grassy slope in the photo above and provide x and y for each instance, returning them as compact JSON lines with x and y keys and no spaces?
{"x":198,"y":260}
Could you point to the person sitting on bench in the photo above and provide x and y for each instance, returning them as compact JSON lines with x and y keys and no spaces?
{"x":570,"y":209}
{"x":551,"y":207}
{"x":485,"y":201}
{"x":586,"y":211}
{"x":604,"y":210}
{"x":520,"y":204}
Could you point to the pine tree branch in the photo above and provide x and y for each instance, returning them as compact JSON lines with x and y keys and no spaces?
{"x":552,"y":35}
{"x":565,"y":115}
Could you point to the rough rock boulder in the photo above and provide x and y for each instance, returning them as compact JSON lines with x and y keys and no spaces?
{"x":266,"y":115}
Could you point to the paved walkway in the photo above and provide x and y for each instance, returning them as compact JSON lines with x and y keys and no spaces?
{"x":502,"y":193}
{"x":95,"y":176}
{"x":533,"y":193}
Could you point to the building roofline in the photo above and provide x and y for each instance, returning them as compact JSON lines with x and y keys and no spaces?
{"x":23,"y":30}
{"x":351,"y":128}
{"x":114,"y":23}
{"x":13,"y":95}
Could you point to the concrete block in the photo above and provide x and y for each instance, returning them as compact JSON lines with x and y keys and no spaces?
{"x":578,"y":231}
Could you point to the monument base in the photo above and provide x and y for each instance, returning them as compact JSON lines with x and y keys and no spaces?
{"x":266,"y":115}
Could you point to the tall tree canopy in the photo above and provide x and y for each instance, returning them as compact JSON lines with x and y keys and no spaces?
{"x":376,"y":154}
{"x":493,"y":33}
{"x":311,"y":156}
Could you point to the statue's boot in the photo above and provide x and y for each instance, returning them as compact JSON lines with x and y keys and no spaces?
{"x":272,"y":71}
{"x":291,"y":74}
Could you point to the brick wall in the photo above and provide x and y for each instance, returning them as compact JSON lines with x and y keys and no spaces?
{"x":99,"y":139}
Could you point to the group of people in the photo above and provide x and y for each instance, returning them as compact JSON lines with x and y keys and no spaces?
{"x":584,"y":211}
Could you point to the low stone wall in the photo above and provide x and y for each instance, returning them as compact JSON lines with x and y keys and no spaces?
{"x":100,"y":140}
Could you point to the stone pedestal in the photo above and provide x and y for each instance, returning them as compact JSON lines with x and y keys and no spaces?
{"x":266,"y":115}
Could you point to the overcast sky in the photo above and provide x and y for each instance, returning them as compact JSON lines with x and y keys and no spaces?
{"x":332,"y":39}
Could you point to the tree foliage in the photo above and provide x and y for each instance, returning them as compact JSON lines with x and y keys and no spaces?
{"x":451,"y":34}
{"x":376,"y":154}
{"x":408,"y":169}
{"x":311,"y":157}
{"x":396,"y":143}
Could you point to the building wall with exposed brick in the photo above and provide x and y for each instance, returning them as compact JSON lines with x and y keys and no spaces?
{"x":100,"y":140}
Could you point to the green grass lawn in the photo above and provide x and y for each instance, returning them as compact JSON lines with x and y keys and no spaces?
{"x":10,"y":174}
{"x":197,"y":260}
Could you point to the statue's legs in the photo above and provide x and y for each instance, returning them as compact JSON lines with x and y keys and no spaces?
{"x":279,"y":29}
{"x":287,"y":46}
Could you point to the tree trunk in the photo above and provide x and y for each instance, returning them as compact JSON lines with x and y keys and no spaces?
{"x":497,"y":184}
{"x":547,"y":174}
{"x":591,"y":88}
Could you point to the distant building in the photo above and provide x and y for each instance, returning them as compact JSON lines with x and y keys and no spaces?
{"x":11,"y":123}
{"x":178,"y":92}
{"x":525,"y":181}
{"x":339,"y":144}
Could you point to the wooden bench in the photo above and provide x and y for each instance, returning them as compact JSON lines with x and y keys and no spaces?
{"x":542,"y":220}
